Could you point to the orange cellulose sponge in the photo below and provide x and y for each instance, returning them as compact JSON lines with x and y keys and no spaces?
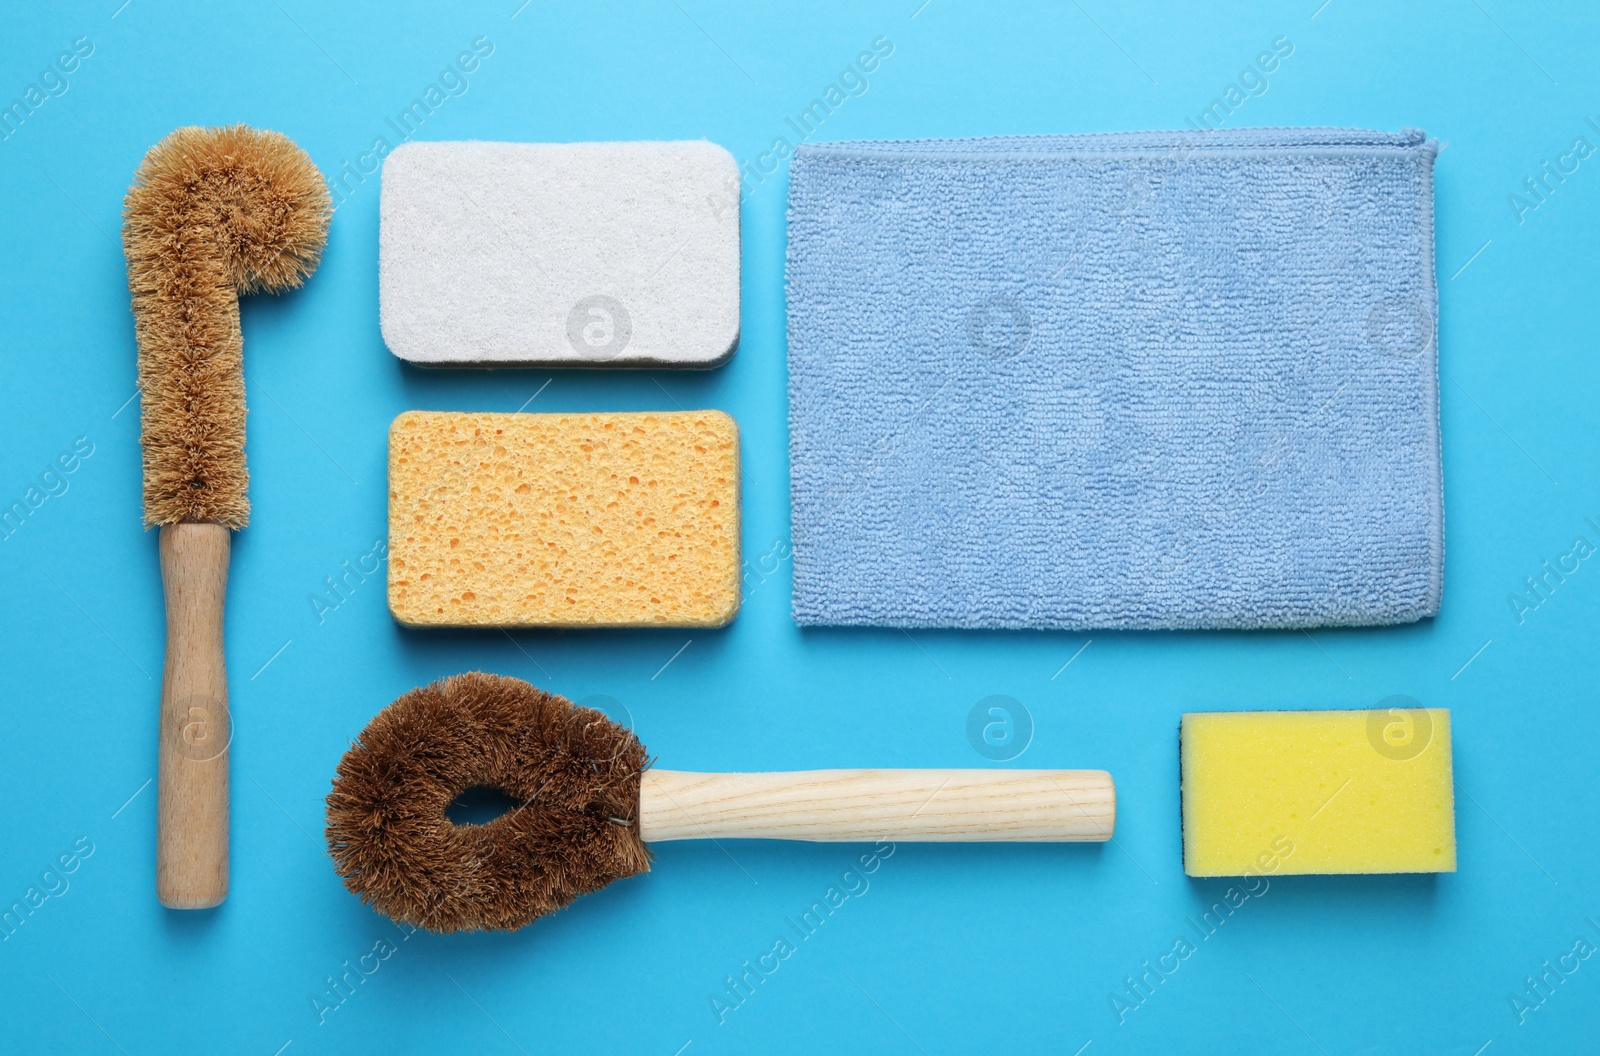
{"x":564,"y":520}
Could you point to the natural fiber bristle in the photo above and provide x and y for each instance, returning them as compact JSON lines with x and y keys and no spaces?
{"x":212,"y":213}
{"x":574,"y":772}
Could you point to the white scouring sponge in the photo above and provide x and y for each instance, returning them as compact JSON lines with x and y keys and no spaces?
{"x":560,"y":254}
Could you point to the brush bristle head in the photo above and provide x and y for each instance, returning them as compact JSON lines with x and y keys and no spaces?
{"x":212,"y":213}
{"x":574,"y":772}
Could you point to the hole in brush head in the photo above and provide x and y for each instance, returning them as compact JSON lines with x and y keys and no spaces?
{"x":480,"y":805}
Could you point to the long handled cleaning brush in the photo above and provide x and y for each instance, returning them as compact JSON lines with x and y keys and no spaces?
{"x":212,"y":213}
{"x":590,"y":802}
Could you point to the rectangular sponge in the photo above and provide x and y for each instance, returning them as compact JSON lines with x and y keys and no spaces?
{"x":564,"y":520}
{"x":1317,"y":792}
{"x":559,"y":254}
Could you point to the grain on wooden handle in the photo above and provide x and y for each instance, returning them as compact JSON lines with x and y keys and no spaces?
{"x":192,"y":813}
{"x":906,"y":805}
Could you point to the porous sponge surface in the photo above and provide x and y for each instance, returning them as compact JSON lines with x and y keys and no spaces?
{"x":567,"y":520}
{"x":1343,"y":791}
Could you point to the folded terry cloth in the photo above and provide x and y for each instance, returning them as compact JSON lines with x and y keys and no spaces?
{"x":1154,"y":380}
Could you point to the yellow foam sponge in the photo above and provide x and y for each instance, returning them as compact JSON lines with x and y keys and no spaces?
{"x":564,"y":520}
{"x":1318,"y":792}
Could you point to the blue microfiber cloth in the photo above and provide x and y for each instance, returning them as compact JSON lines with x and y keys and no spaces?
{"x":1153,"y":380}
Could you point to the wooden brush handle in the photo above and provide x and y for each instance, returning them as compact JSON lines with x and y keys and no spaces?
{"x":908,"y":805}
{"x":192,"y":822}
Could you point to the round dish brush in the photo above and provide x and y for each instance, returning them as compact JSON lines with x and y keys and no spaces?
{"x":212,"y":213}
{"x":590,"y":801}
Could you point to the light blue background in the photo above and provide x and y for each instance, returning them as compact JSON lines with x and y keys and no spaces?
{"x":951,"y":949}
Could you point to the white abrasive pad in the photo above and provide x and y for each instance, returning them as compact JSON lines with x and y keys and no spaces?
{"x":560,"y":254}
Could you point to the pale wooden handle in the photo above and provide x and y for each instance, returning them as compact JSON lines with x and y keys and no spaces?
{"x":907,"y":805}
{"x":192,"y":821}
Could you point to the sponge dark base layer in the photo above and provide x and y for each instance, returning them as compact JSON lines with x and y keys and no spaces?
{"x":575,"y":772}
{"x":620,"y":363}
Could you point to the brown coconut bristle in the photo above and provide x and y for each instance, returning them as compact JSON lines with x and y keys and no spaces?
{"x":574,"y":772}
{"x":212,"y":213}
